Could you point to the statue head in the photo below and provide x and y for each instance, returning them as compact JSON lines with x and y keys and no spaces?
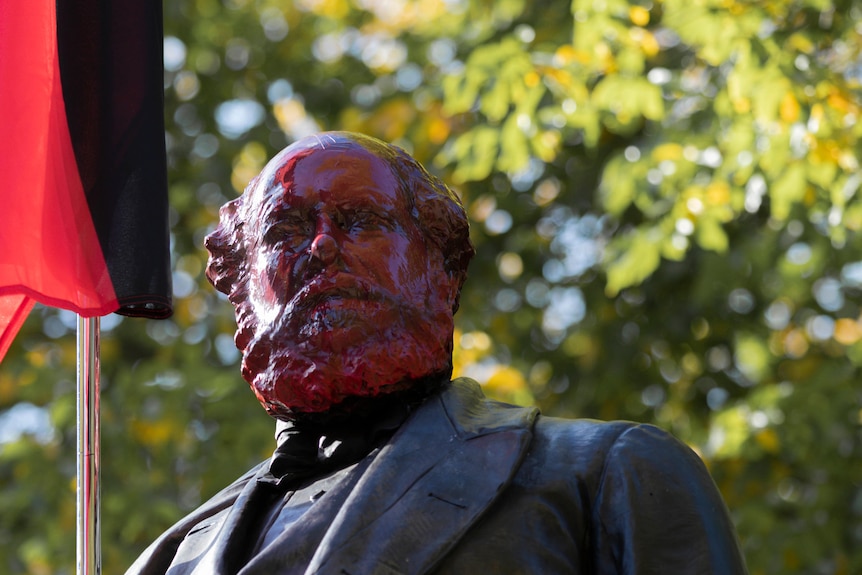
{"x":344,"y":261}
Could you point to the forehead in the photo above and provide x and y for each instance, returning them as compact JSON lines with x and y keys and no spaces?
{"x":346,"y":173}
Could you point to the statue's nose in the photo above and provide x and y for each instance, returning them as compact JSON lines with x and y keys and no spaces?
{"x":324,"y":248}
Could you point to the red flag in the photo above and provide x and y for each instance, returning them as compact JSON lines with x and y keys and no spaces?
{"x":83,"y":212}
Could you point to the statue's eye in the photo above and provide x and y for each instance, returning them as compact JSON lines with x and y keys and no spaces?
{"x":290,"y":235}
{"x":367,"y":221}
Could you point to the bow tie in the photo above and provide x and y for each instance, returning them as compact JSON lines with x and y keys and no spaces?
{"x":306,"y":451}
{"x":312,"y":447}
{"x":305,"y":454}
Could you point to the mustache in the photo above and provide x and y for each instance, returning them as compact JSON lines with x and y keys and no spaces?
{"x":336,"y":286}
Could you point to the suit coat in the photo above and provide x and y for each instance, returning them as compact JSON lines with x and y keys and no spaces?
{"x":468,"y":485}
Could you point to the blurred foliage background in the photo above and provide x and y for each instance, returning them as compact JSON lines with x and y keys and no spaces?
{"x":665,"y":198}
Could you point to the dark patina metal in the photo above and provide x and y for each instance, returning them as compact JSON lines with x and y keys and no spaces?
{"x":344,"y":261}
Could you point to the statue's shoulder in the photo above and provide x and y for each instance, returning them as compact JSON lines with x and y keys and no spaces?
{"x":604,"y":438}
{"x":638,"y":484}
{"x":576,"y":439}
{"x":598,"y":453}
{"x":600,"y":435}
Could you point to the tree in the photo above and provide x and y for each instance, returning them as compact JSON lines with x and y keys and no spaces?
{"x":664,"y":198}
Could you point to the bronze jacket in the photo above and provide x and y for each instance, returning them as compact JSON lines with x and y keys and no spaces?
{"x":468,"y":485}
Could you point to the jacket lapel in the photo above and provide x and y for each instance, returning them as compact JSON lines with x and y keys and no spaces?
{"x":425,"y":488}
{"x":234,"y":533}
{"x":182,"y":546}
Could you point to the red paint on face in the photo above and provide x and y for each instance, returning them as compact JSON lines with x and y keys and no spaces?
{"x":348,"y":296}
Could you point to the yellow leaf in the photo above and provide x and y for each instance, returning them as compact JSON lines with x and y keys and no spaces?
{"x":508,"y":384}
{"x":334,"y":9}
{"x":531,"y":79}
{"x":649,"y":44}
{"x":565,"y":54}
{"x":839,"y":101}
{"x":795,"y":343}
{"x":789,"y":108}
{"x":562,"y":77}
{"x":392,"y":119}
{"x":670,"y":151}
{"x":604,"y":57}
{"x":546,"y":144}
{"x":847,"y":331}
{"x":817,"y":113}
{"x":478,"y":340}
{"x":639,"y":15}
{"x":37,"y":357}
{"x":741,"y":105}
{"x":438,"y":131}
{"x":7,"y":388}
{"x":718,"y":194}
{"x":155,"y":433}
{"x":768,"y":440}
{"x":801,"y":42}
{"x":507,"y":379}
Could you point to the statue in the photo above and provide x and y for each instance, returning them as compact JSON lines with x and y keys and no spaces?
{"x":344,"y":261}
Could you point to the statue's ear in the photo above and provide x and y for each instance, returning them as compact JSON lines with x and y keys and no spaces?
{"x":457,"y":281}
{"x":452,"y":283}
{"x":444,"y":282}
{"x":453,"y":291}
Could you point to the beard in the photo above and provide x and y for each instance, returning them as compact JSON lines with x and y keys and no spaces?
{"x":323,"y":351}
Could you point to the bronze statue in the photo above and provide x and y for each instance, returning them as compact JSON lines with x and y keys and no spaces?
{"x":344,"y":260}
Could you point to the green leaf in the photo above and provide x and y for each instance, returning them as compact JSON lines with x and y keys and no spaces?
{"x":629,"y":97}
{"x":770,"y":88}
{"x":788,"y":189}
{"x":618,"y":187}
{"x":822,"y":174}
{"x":640,"y":255}
{"x":514,"y":148}
{"x":494,"y":103}
{"x":460,"y":91}
{"x":752,"y":356}
{"x":710,"y":234}
{"x":476,"y":152}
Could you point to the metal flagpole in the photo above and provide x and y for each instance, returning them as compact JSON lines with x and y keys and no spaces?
{"x":89,"y":528}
